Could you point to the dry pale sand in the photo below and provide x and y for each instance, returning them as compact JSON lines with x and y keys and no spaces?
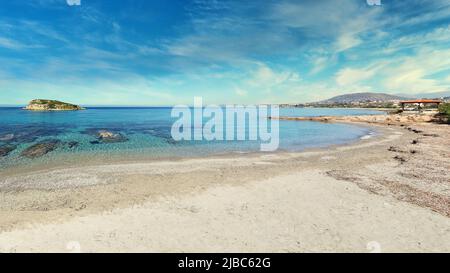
{"x":375,"y":195}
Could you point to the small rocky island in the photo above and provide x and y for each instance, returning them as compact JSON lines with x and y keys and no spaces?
{"x":51,"y":105}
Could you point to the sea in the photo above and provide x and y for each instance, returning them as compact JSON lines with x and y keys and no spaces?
{"x":146,"y":133}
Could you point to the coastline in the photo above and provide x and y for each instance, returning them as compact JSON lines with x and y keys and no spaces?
{"x":55,"y":161}
{"x":116,"y":192}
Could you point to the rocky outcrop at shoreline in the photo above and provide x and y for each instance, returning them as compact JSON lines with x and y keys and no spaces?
{"x":380,"y":119}
{"x":51,"y":105}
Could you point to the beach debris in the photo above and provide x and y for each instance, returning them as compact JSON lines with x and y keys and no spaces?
{"x":110,"y":137}
{"x":395,"y":149}
{"x":415,"y":141}
{"x":431,"y":135}
{"x":400,"y":158}
{"x":41,"y":148}
{"x":413,"y":151}
{"x":6,"y":149}
{"x":342,"y":175}
{"x":414,"y":130}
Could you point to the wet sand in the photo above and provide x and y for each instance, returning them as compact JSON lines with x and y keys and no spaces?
{"x":387,"y":193}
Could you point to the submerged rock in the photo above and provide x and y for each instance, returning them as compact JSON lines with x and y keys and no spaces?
{"x":25,"y":137}
{"x":73,"y":144}
{"x":104,"y":135}
{"x":30,"y":133}
{"x":172,"y":141}
{"x":6,"y":149}
{"x":110,"y":137}
{"x":41,"y":148}
{"x":7,"y":137}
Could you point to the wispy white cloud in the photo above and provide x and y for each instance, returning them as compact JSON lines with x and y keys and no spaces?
{"x":437,"y":36}
{"x":265,"y":77}
{"x":17,"y":45}
{"x":417,"y":73}
{"x":403,"y":74}
{"x":349,"y":76}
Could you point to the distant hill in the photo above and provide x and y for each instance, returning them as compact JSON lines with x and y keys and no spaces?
{"x":434,"y":95}
{"x":362,"y":97}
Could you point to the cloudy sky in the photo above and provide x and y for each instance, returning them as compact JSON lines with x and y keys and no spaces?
{"x":159,"y":52}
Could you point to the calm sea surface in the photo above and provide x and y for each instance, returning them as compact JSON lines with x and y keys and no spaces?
{"x":147,"y":133}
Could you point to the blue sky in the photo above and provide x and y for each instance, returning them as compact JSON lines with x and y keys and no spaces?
{"x":142,"y":52}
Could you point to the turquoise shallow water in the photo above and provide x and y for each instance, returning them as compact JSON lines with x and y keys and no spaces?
{"x":148,"y":133}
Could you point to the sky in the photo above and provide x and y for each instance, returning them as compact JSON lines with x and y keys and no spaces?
{"x":159,"y":52}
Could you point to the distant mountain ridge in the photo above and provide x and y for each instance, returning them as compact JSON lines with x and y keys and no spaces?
{"x":363,"y":97}
{"x":434,"y":95}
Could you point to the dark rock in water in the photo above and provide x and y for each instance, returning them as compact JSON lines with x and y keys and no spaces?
{"x":6,"y":149}
{"x":161,"y":132}
{"x":73,"y":144}
{"x":172,"y":141}
{"x":95,"y":142}
{"x":41,"y":148}
{"x":110,"y":137}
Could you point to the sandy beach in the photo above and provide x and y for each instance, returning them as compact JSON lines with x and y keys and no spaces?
{"x":385,"y":193}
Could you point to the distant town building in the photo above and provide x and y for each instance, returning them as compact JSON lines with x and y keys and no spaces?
{"x":420,"y":103}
